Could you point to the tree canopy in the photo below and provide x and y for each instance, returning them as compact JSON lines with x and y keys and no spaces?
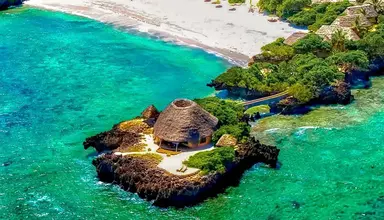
{"x":312,"y":43}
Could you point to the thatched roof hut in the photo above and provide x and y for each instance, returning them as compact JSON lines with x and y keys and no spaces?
{"x":184,"y":121}
{"x":349,"y":21}
{"x":367,"y":10}
{"x":326,"y":31}
{"x":150,"y":112}
{"x":294,"y":38}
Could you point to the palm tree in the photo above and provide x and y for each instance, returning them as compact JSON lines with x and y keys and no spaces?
{"x":377,"y":4}
{"x":358,"y":27}
{"x":338,"y":40}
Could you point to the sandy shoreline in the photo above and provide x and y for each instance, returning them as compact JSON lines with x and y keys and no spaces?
{"x":234,"y":35}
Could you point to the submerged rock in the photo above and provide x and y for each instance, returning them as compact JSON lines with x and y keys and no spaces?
{"x":4,"y":4}
{"x":141,"y":176}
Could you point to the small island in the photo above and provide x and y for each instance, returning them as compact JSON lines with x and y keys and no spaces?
{"x":182,"y":155}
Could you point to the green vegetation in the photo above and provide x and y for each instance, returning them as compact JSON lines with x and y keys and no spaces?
{"x":314,"y":64}
{"x":313,"y":43}
{"x":372,"y":43}
{"x":319,"y":14}
{"x":240,"y":131}
{"x":239,"y":77}
{"x":351,"y":60}
{"x":230,"y":114}
{"x":236,"y":1}
{"x":278,"y":49}
{"x":283,"y":8}
{"x":212,"y":161}
{"x":259,"y":108}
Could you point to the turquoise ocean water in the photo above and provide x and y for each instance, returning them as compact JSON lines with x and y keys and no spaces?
{"x":63,"y":78}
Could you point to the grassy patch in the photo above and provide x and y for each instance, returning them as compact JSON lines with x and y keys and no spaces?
{"x":167,"y":152}
{"x":135,"y":125}
{"x":139,"y":147}
{"x":211,"y":161}
{"x":260,"y":108}
{"x":149,"y":156}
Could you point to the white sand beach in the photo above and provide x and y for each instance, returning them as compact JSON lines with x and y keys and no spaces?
{"x":236,"y":35}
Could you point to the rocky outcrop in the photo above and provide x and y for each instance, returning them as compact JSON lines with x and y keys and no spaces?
{"x":111,"y":140}
{"x":150,"y":112}
{"x":4,"y":4}
{"x":289,"y":106}
{"x":339,"y":93}
{"x":143,"y":177}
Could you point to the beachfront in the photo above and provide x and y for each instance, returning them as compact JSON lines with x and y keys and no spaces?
{"x":236,"y":35}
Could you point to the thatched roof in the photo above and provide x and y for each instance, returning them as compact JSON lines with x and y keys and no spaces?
{"x":349,"y":20}
{"x":294,"y":38}
{"x":326,"y":32}
{"x":226,"y":140}
{"x":150,"y":112}
{"x":367,"y":10}
{"x":182,"y":120}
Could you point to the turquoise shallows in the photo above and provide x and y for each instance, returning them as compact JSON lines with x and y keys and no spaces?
{"x":64,"y":78}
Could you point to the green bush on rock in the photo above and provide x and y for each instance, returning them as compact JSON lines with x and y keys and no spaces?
{"x":211,"y":161}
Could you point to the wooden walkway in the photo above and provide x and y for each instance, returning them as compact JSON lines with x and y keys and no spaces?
{"x":266,"y":99}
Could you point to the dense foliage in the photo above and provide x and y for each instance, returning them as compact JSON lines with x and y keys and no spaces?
{"x":319,"y":14}
{"x":230,"y":115}
{"x":277,"y":49}
{"x":283,"y":8}
{"x":350,"y":60}
{"x":228,"y":112}
{"x":312,"y":43}
{"x":211,"y":161}
{"x":373,"y":43}
{"x":240,"y":131}
{"x":236,"y":1}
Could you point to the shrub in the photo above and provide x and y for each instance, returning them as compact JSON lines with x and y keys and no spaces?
{"x":278,"y":49}
{"x":240,"y":131}
{"x":312,"y":43}
{"x":236,"y":1}
{"x":351,"y":60}
{"x":302,"y":93}
{"x":212,"y":161}
{"x":291,"y":7}
{"x":228,"y":112}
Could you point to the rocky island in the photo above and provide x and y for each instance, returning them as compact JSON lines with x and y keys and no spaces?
{"x":168,"y":157}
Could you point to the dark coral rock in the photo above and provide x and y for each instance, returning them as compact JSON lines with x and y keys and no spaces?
{"x":150,"y":112}
{"x":339,"y":93}
{"x":4,"y":4}
{"x":289,"y":105}
{"x":111,"y":140}
{"x":150,"y":182}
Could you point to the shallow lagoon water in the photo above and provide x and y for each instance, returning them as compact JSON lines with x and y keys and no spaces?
{"x":63,"y":78}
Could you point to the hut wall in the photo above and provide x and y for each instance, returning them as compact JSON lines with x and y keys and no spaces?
{"x":207,"y":141}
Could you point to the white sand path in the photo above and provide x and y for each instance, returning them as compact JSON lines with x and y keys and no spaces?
{"x":232,"y":34}
{"x":171,"y":163}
